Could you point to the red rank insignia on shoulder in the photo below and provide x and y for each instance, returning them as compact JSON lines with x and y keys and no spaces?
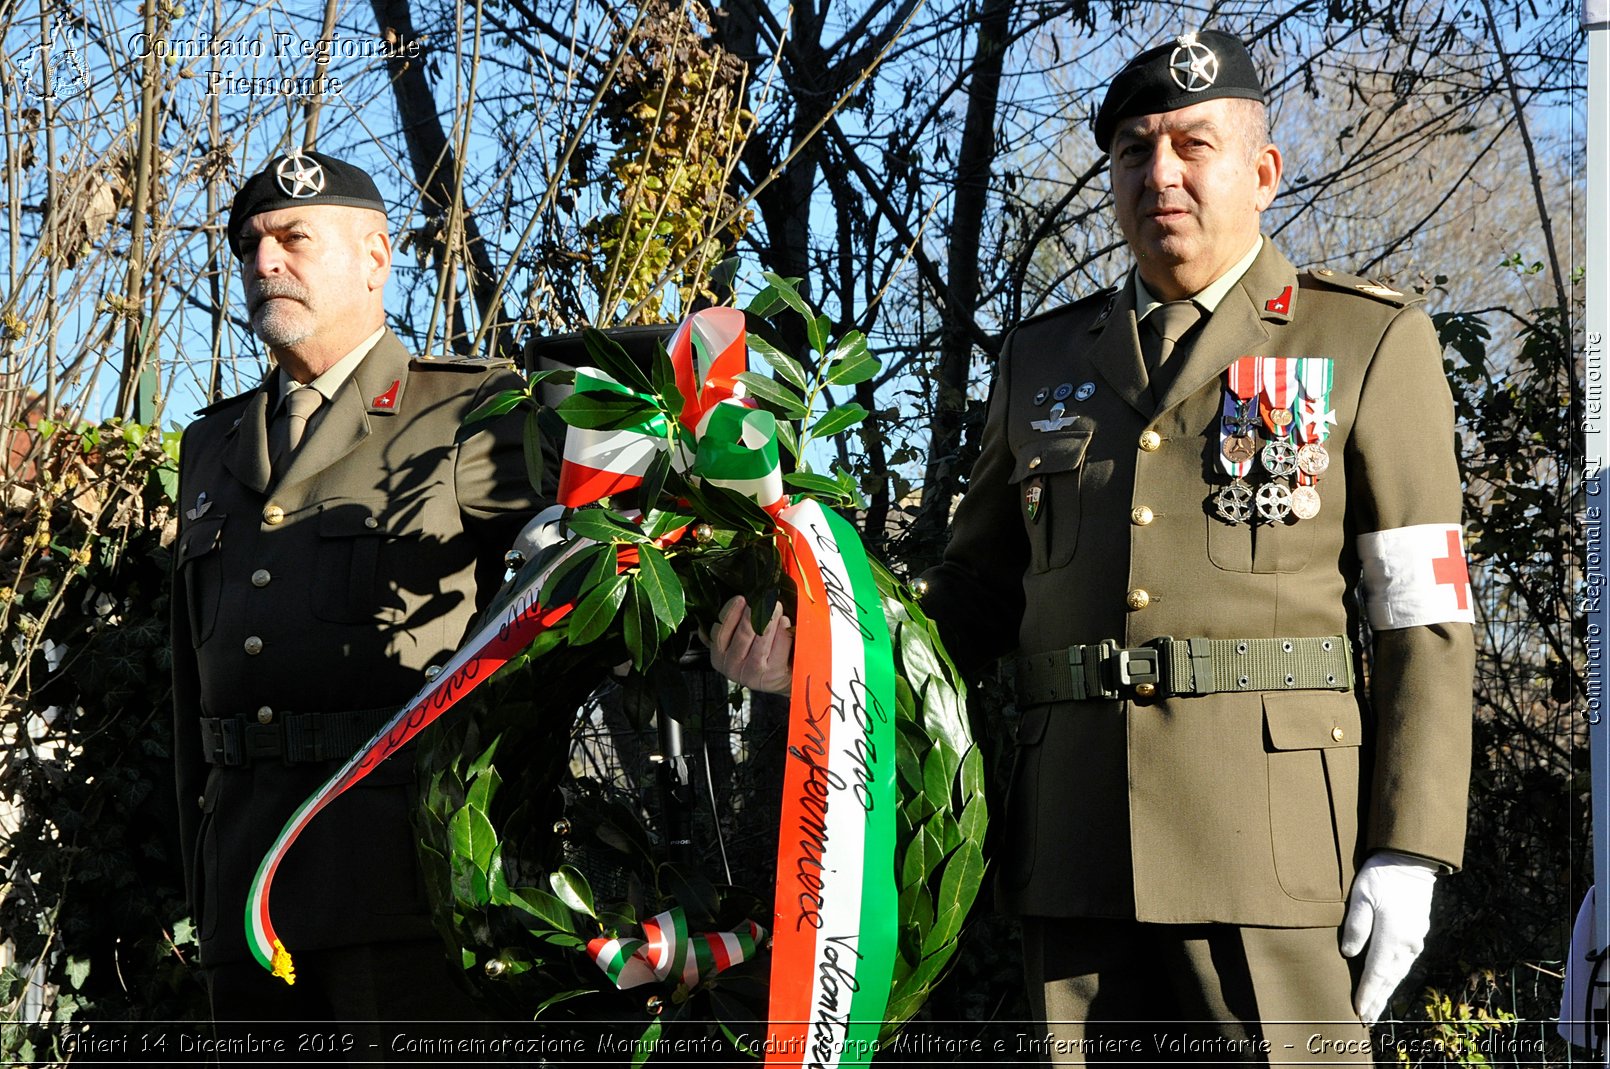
{"x":1280,"y":305}
{"x":389,"y":398}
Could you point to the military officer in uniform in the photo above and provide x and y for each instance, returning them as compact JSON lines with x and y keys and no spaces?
{"x":1194,"y":489}
{"x":339,"y":529}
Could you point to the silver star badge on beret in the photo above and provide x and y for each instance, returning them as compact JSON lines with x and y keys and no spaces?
{"x":1193,"y":65}
{"x":299,"y":176}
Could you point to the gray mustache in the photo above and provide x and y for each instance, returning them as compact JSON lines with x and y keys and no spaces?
{"x":264,"y":289}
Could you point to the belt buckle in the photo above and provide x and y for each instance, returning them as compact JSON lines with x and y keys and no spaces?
{"x":261,"y":740}
{"x":1135,"y":667}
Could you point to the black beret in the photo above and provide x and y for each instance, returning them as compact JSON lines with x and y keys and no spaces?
{"x":1188,"y":70}
{"x":301,"y":178}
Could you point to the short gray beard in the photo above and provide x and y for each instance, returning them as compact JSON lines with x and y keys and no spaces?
{"x":276,"y":326}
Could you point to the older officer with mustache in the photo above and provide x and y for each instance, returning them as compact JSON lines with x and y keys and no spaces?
{"x":340,"y":530}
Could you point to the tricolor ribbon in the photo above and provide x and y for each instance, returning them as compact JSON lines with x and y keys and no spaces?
{"x":1279,"y":392}
{"x":1315,"y":375}
{"x":667,"y":952}
{"x":836,"y":917}
{"x":1243,"y":380}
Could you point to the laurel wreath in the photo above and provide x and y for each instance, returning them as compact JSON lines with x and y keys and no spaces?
{"x":526,"y":861}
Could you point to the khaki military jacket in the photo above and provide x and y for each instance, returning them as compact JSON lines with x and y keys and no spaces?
{"x":330,"y":589}
{"x":1247,"y":808}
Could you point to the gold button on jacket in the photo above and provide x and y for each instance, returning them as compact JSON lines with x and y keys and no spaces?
{"x":1247,"y":808}
{"x":381,"y":537}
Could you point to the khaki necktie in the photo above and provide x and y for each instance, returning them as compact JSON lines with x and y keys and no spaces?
{"x":291,"y":425}
{"x":1169,"y":323}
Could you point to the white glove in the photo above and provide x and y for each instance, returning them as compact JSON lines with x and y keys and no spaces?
{"x":761,"y":662}
{"x":1390,"y":909}
{"x":542,"y":532}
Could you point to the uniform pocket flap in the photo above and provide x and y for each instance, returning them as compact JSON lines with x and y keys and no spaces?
{"x":1052,"y":453}
{"x":200,"y":538}
{"x":1311,"y":720}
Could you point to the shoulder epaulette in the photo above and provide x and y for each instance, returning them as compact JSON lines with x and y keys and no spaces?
{"x":224,"y":402}
{"x":459,"y":363}
{"x":1366,"y":287}
{"x":1097,"y":299}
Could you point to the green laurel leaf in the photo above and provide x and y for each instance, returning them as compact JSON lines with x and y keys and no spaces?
{"x":597,"y":609}
{"x":790,"y":404}
{"x":837,"y":419}
{"x":614,"y":360}
{"x":606,"y":410}
{"x":658,"y":582}
{"x":496,"y":405}
{"x":572,"y":888}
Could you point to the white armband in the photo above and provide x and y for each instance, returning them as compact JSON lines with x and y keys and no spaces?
{"x":1416,"y":575}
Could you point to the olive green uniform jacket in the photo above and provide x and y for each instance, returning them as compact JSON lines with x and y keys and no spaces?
{"x":1244,"y":808}
{"x":329,"y":590}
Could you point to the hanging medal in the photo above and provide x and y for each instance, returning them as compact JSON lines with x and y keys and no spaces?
{"x":1277,"y":395}
{"x":1315,"y":376}
{"x":1238,"y":443}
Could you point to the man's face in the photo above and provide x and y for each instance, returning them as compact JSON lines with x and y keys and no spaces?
{"x":311,"y":274}
{"x":1188,"y":190}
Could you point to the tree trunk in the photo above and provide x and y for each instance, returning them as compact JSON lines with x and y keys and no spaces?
{"x":974,"y":163}
{"x":435,"y":165}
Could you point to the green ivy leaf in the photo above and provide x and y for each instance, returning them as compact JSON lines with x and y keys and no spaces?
{"x":790,"y":404}
{"x":837,"y":419}
{"x":496,"y":405}
{"x":77,"y":972}
{"x":572,"y":888}
{"x":606,"y":410}
{"x":657,"y":581}
{"x":597,"y":609}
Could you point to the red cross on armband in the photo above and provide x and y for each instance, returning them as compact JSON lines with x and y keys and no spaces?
{"x":1452,"y":569}
{"x":1415,"y":576}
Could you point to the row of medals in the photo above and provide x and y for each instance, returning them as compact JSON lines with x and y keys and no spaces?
{"x":1281,"y":458}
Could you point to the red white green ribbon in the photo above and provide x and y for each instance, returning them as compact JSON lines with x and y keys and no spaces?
{"x":667,"y":952}
{"x":836,"y":913}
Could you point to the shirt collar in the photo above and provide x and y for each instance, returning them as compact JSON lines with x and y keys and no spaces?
{"x":1209,"y":296}
{"x":335,"y":376}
